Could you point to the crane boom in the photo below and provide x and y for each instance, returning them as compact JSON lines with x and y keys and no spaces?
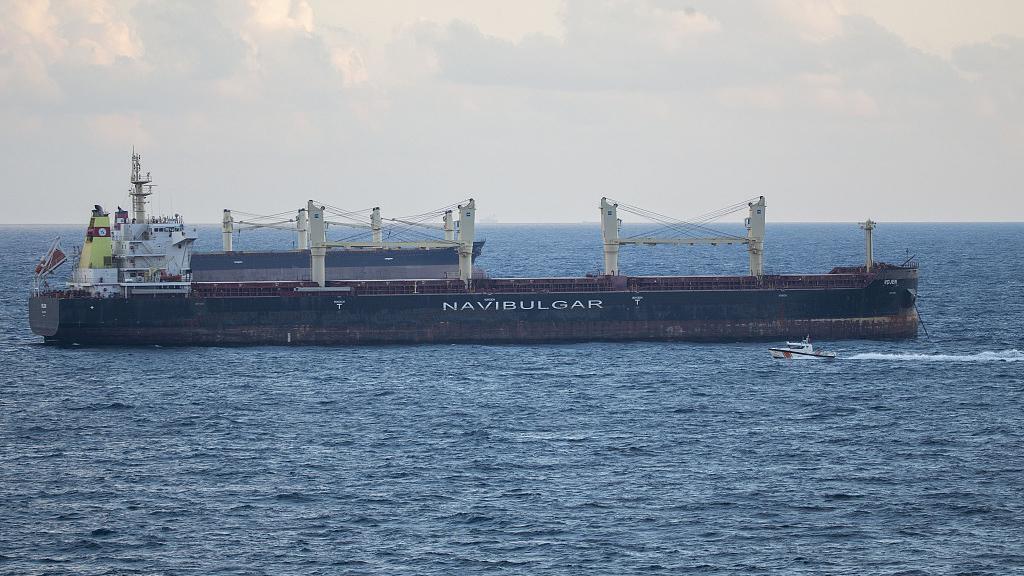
{"x":348,"y":224}
{"x":319,"y":244}
{"x":684,"y":241}
{"x":433,"y":244}
{"x":754,"y":239}
{"x":280,"y":225}
{"x":420,"y":224}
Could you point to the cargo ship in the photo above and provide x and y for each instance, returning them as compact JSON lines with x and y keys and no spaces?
{"x":134,"y":285}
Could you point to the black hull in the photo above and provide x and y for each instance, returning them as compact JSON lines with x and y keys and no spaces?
{"x":881,"y":308}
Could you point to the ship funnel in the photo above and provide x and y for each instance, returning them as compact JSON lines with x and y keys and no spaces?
{"x":97,"y":250}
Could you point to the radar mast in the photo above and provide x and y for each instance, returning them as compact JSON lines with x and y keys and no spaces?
{"x":140,"y":190}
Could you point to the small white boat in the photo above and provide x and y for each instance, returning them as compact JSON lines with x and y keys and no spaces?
{"x":798,"y":350}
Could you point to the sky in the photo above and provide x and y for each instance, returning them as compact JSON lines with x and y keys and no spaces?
{"x":832,"y":110}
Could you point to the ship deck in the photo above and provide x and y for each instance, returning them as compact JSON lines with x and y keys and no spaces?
{"x":538,"y":285}
{"x":838,"y":278}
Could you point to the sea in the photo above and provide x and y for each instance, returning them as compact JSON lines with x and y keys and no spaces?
{"x":900,"y":457}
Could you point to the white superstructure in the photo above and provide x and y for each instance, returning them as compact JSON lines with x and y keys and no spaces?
{"x":140,"y":254}
{"x":802,"y":350}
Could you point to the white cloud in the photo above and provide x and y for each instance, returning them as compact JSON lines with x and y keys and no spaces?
{"x":681,"y":106}
{"x":36,"y":36}
{"x":283,"y":14}
{"x":99,"y":34}
{"x":816,"y":20}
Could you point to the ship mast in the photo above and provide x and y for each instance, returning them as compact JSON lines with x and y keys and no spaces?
{"x":869,"y":245}
{"x":139,"y":190}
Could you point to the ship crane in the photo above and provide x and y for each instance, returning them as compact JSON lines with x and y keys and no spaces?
{"x":448,"y":225}
{"x":255,"y":221}
{"x":301,"y":225}
{"x":281,"y":225}
{"x":376,"y":225}
{"x":464,"y":242}
{"x":417,"y":224}
{"x":692,"y":230}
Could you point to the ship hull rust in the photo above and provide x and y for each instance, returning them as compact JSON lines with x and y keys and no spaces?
{"x":877,"y":328}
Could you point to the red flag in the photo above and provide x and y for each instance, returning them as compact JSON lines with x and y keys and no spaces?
{"x":52,"y":260}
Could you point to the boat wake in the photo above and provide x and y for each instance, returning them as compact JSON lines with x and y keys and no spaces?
{"x":986,"y":356}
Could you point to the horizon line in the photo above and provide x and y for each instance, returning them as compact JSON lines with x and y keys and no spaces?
{"x":596,"y":223}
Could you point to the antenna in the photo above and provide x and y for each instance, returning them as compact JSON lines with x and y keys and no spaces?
{"x":140,"y":190}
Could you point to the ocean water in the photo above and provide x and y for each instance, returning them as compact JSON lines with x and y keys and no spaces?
{"x":901,"y":457}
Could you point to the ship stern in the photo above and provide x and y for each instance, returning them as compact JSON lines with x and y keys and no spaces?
{"x":44,"y":315}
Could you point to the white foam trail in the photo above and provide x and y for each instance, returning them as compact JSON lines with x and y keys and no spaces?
{"x":986,"y":356}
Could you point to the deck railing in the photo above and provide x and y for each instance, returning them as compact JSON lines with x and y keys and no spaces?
{"x":837,"y":279}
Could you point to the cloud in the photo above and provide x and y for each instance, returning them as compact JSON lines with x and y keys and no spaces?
{"x":36,"y":37}
{"x":283,"y":14}
{"x":789,"y":56}
{"x":995,"y":71}
{"x":601,"y":49}
{"x":815,"y":20}
{"x":644,"y":45}
{"x":677,"y":105}
{"x":996,"y":67}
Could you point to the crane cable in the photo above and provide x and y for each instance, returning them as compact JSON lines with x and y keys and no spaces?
{"x":688,"y":228}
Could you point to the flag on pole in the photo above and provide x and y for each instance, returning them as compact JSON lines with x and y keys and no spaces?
{"x":52,"y":260}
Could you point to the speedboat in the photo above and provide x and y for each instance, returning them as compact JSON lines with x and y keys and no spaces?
{"x":797,"y":350}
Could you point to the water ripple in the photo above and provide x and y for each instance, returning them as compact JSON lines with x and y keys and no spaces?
{"x":584,"y":458}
